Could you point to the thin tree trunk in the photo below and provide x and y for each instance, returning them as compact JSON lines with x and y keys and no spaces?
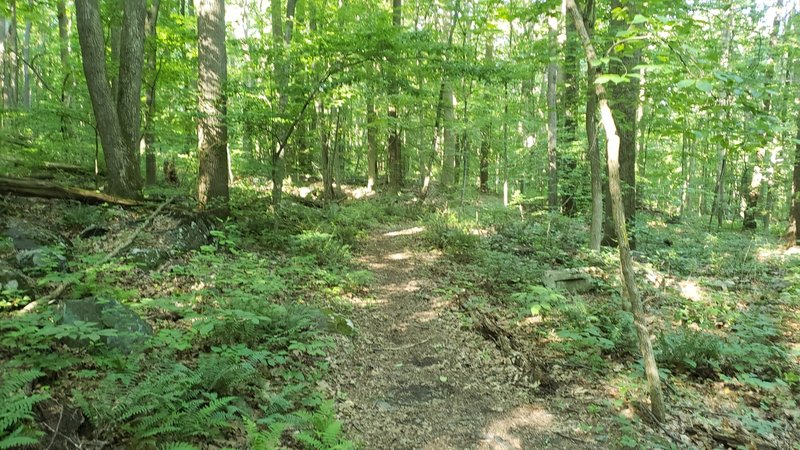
{"x":395,"y":156}
{"x":626,"y":264}
{"x":505,"y":149}
{"x":212,"y":106}
{"x":596,"y":227}
{"x":150,"y":93}
{"x":26,"y":71}
{"x":372,"y":144}
{"x":449,"y":154}
{"x":63,"y":41}
{"x":552,"y":120}
{"x":794,"y":233}
{"x":625,"y":97}
{"x":11,"y":62}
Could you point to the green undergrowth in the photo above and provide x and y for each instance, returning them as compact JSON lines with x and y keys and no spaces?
{"x":241,"y":330}
{"x":734,"y":328}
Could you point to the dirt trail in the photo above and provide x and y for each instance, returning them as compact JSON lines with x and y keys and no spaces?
{"x":413,"y":378}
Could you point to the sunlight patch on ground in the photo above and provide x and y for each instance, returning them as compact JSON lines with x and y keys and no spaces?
{"x":394,"y":288}
{"x":399,"y":256}
{"x":424,"y":316}
{"x":500,"y":433}
{"x":691,"y":291}
{"x":406,"y":232}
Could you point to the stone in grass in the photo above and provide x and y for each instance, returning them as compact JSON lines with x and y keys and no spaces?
{"x":571,"y":280}
{"x":12,"y":280}
{"x":36,"y":249}
{"x":131,"y":329}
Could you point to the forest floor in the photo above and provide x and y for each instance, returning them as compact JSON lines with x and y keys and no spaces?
{"x":415,"y":378}
{"x":386,"y":324}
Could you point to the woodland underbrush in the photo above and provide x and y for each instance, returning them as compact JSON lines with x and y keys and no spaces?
{"x":240,"y":332}
{"x":722,"y":307}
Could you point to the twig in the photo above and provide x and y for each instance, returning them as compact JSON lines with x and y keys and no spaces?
{"x":63,"y":286}
{"x":572,"y":438}
{"x":58,"y":426}
{"x":659,"y":424}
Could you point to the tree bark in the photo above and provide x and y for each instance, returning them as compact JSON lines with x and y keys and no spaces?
{"x":794,"y":233}
{"x":372,"y":145}
{"x":486,"y":139}
{"x":395,"y":146}
{"x":119,"y":150}
{"x":26,"y":71}
{"x":626,"y":264}
{"x":449,"y":154}
{"x":11,"y":62}
{"x":552,"y":120}
{"x":625,"y":98}
{"x":593,"y":151}
{"x":505,"y":148}
{"x":63,"y":45}
{"x":150,"y":92}
{"x":212,"y":105}
{"x":26,"y":187}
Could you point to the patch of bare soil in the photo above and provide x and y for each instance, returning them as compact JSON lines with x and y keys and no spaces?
{"x":414,"y":377}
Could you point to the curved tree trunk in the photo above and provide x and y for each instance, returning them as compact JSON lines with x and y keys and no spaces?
{"x":626,"y":264}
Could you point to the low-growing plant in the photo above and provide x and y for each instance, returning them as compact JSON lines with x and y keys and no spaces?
{"x":17,"y":428}
{"x":446,"y":232}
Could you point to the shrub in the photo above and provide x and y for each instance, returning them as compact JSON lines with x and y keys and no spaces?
{"x":444,"y":231}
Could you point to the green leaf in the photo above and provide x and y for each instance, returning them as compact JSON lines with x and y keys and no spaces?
{"x":639,"y":19}
{"x":685,"y":83}
{"x":605,"y":78}
{"x":704,"y":86}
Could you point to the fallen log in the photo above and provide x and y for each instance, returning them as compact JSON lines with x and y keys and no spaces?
{"x":51,"y":166}
{"x":27,"y":187}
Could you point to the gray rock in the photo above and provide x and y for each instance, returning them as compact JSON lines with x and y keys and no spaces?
{"x":570,"y":280}
{"x":191,"y":234}
{"x":180,"y":235}
{"x":148,"y":258}
{"x":131,"y":329}
{"x":36,"y":249}
{"x":12,"y":279}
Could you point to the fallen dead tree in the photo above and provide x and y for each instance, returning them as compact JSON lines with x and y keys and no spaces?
{"x":52,"y":166}
{"x":27,"y":187}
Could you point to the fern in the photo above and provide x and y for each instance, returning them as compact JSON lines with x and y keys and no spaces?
{"x":16,"y":409}
{"x":320,"y":430}
{"x":271,"y":438}
{"x":165,"y":404}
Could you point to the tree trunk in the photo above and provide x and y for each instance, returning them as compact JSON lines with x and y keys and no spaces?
{"x":11,"y":61}
{"x":449,"y":154}
{"x":395,"y":145}
{"x":552,"y":120}
{"x":486,"y":138}
{"x":63,"y":41}
{"x":150,"y":94}
{"x":626,"y":264}
{"x":794,"y":233}
{"x":372,"y":144}
{"x":26,"y":71}
{"x":26,"y":187}
{"x":752,"y":191}
{"x":596,"y":177}
{"x":505,"y":148}
{"x":120,"y":154}
{"x":625,"y":98}
{"x":212,"y":105}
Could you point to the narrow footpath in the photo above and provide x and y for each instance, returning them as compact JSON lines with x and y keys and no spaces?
{"x":414,"y":377}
